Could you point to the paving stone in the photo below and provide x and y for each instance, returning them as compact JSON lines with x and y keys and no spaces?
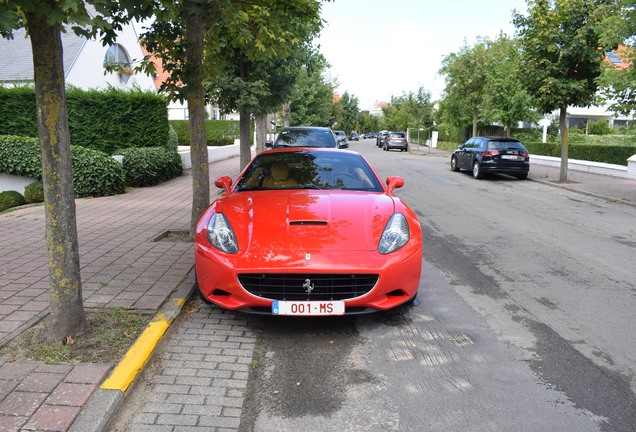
{"x":22,"y":403}
{"x":209,"y":410}
{"x":213,"y":421}
{"x":88,"y":373}
{"x":11,"y":423}
{"x":182,"y":419}
{"x":53,"y":418}
{"x":40,"y":382}
{"x":6,"y":387}
{"x":70,"y":394}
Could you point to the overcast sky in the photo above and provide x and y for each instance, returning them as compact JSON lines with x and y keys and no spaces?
{"x":382,"y":48}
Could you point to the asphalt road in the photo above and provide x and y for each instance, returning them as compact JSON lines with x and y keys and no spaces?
{"x":525,"y":323}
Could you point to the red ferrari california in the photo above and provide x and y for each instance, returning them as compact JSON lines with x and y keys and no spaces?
{"x":308,"y":231}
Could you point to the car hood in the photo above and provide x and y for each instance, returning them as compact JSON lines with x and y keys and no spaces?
{"x":308,"y":221}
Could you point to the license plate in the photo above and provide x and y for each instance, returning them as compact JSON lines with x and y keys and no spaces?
{"x":511,"y":157}
{"x":308,"y":308}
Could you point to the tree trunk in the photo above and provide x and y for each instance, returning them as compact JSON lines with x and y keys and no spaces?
{"x":287,"y":114}
{"x":245,"y":132}
{"x":196,"y":112}
{"x":563,"y":129}
{"x":474,"y":124}
{"x":260,"y":126}
{"x":67,"y":317}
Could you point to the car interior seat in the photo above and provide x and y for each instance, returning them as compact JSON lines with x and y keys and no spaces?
{"x":279,"y":176}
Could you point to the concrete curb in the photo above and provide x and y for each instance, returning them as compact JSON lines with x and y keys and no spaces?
{"x":106,"y":400}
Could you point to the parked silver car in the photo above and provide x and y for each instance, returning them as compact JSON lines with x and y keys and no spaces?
{"x":396,"y":140}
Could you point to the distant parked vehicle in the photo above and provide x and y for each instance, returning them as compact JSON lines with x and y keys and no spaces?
{"x":304,"y":136}
{"x":354,"y":137}
{"x":341,"y":136}
{"x":379,"y":140}
{"x":396,"y":140}
{"x":483,"y":155}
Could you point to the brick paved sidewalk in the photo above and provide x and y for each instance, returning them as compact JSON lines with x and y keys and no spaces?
{"x":121,"y":266}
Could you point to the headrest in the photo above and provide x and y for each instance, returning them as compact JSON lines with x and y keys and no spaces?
{"x":280,"y":171}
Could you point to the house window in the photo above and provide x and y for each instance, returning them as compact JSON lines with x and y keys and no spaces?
{"x":613,"y":57}
{"x":117,"y":56}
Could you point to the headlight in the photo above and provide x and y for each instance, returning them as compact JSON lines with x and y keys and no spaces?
{"x":395,"y":235}
{"x":221,"y":235}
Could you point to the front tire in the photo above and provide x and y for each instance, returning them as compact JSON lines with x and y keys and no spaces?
{"x":477,"y":171}
{"x":454,"y":166}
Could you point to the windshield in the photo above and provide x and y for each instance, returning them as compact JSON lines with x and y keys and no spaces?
{"x":305,"y":138}
{"x":307,"y":170}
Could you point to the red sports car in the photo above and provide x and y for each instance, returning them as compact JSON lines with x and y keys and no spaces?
{"x":308,"y":231}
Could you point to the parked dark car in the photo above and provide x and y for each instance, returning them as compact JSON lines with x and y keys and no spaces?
{"x":354,"y":137}
{"x":306,"y":136}
{"x":396,"y":140}
{"x":483,"y":155}
{"x":379,"y":139}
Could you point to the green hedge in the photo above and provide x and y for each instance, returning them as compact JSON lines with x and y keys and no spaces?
{"x":103,"y":120}
{"x":217,"y":132}
{"x":94,"y":172}
{"x":150,"y":166}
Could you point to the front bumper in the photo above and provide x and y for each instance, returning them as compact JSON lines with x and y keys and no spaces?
{"x":398,"y":281}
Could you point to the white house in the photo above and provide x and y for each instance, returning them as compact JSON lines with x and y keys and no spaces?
{"x":85,"y":61}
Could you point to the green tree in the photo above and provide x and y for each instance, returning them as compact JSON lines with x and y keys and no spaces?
{"x":249,"y":44}
{"x":44,"y":22}
{"x":311,"y":98}
{"x":465,"y":74}
{"x":617,"y":29}
{"x":410,"y":110}
{"x":505,"y":101}
{"x":346,"y":113}
{"x":561,"y":58}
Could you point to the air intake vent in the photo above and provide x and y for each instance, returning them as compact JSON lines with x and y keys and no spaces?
{"x":283,"y":286}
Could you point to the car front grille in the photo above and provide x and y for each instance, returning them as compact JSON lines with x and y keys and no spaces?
{"x":287,"y":286}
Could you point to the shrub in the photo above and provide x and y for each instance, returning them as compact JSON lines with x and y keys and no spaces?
{"x":173,"y":139}
{"x":10,"y":199}
{"x":599,"y":127}
{"x":94,"y":172}
{"x":527,"y":135}
{"x":150,"y":166}
{"x":34,"y":193}
{"x":20,"y":156}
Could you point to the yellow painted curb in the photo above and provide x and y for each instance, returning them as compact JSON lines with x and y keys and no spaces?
{"x":129,"y":367}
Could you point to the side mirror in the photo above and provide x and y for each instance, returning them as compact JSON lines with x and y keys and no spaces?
{"x":224,"y":182}
{"x":394,"y":182}
{"x":343,"y":144}
{"x":269,"y":144}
